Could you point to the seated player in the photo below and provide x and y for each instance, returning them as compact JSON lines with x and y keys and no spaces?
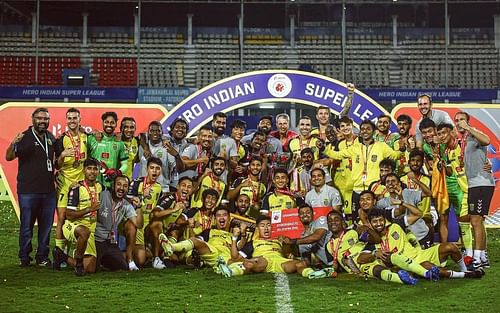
{"x":148,"y":190}
{"x":313,"y":239}
{"x":345,"y":249}
{"x":81,"y":216}
{"x":395,"y":240}
{"x":211,"y":244}
{"x":165,"y":215}
{"x":271,"y":252}
{"x":281,"y":198}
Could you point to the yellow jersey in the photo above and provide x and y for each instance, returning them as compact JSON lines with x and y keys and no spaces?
{"x":81,"y":197}
{"x":71,"y":170}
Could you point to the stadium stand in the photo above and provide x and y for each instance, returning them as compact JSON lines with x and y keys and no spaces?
{"x":166,"y":60}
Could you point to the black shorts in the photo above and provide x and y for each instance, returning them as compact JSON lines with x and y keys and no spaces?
{"x":479,"y":199}
{"x":110,"y":256}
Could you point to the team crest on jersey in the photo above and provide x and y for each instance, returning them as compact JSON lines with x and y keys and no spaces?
{"x":395,"y":235}
{"x":350,"y":242}
{"x":288,"y":205}
{"x":374,"y":158}
{"x":133,"y":149}
{"x":115,"y":146}
{"x":357,"y":159}
{"x":159,"y":154}
{"x":49,"y":141}
{"x":325,"y":202}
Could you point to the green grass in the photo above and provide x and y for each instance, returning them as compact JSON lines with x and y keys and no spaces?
{"x":186,"y":290}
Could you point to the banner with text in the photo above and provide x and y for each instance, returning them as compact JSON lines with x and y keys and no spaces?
{"x":287,"y":223}
{"x":389,"y":94}
{"x":273,"y":86}
{"x":71,"y":93}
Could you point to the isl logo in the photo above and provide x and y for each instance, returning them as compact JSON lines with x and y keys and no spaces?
{"x":279,"y":85}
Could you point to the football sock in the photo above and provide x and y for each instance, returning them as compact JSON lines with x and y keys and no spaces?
{"x":484,"y":256}
{"x":466,"y":233}
{"x":60,"y":243}
{"x":407,"y":264}
{"x":461,"y":265}
{"x":454,"y":274}
{"x":477,"y":256}
{"x":237,"y":268}
{"x":185,"y":245}
{"x":387,"y":275}
{"x":172,"y":239}
{"x":306,"y":272}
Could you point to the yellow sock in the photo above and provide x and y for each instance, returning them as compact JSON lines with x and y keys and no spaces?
{"x":387,"y":275}
{"x":60,"y":243}
{"x":185,"y":245}
{"x":466,"y":234}
{"x":407,"y":264}
{"x":172,"y":239}
{"x":305,"y":273}
{"x":237,"y":268}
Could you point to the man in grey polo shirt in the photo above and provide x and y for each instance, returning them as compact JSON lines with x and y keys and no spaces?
{"x":322,"y":195}
{"x":481,"y":183}
{"x":114,"y":209}
{"x":424,"y":104}
{"x":314,"y":237}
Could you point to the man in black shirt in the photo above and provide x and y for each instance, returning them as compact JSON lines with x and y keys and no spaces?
{"x":35,"y":185}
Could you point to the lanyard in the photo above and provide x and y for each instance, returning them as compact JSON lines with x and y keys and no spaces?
{"x":114,"y":213}
{"x":335,"y":249}
{"x":200,"y":168}
{"x":46,"y":147}
{"x":463,"y":143}
{"x":75,"y":144}
{"x":365,"y":161}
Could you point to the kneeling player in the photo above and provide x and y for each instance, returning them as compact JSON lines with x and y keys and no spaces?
{"x":81,"y":214}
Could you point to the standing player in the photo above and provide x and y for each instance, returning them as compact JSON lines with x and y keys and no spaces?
{"x":71,"y":152}
{"x":195,"y":158}
{"x":109,"y":151}
{"x":81,"y":217}
{"x":424,"y":104}
{"x":481,"y":183}
{"x":304,"y":140}
{"x":283,"y":132}
{"x":131,"y":143}
{"x":456,"y":182}
{"x":383,"y":132}
{"x":403,"y":138}
{"x":365,"y":157}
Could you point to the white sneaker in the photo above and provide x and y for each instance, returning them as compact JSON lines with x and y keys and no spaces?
{"x":132,"y":266}
{"x":158,"y":264}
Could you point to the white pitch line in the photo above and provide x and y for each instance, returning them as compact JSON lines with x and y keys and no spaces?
{"x":282,"y":294}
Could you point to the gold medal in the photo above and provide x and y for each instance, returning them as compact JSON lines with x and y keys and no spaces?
{"x":76,"y":164}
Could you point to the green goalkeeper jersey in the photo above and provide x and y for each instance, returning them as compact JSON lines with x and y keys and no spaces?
{"x":109,"y":151}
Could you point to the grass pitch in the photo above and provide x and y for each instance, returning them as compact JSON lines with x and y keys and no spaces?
{"x":186,"y":290}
